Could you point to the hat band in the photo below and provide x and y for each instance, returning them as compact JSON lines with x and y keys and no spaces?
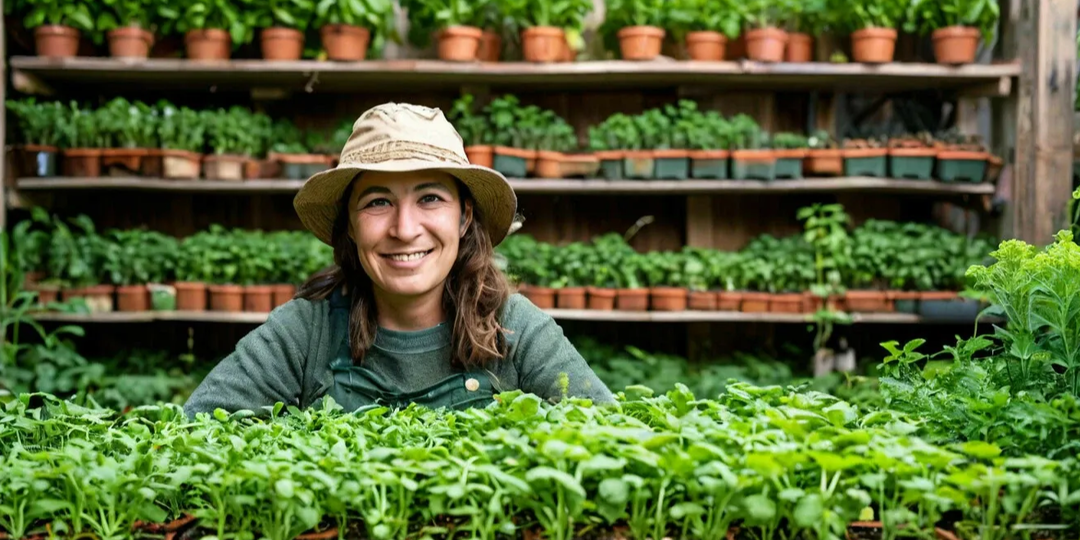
{"x":401,"y":150}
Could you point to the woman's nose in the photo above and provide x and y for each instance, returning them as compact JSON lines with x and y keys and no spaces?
{"x":406,"y":225}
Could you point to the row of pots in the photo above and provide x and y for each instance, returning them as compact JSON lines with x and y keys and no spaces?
{"x":41,"y":161}
{"x":916,"y":163}
{"x":183,"y":296}
{"x":933,"y":303}
{"x":342,"y":42}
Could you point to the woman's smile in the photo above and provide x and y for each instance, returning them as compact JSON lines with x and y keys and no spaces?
{"x":407,"y":259}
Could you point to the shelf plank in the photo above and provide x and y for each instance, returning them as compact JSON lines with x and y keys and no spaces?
{"x":561,"y":314}
{"x":420,"y":75}
{"x":544,"y":186}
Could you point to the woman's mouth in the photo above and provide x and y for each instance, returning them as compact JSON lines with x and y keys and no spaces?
{"x":407,"y":256}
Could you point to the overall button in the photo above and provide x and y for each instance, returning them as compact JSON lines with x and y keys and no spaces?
{"x":472,"y":385}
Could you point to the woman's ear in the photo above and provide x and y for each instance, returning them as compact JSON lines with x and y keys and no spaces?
{"x":466,"y":217}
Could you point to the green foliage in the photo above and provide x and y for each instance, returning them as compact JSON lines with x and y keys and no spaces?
{"x":475,"y":129}
{"x":79,"y":128}
{"x":184,"y":15}
{"x":235,"y":131}
{"x":859,"y":14}
{"x":746,"y":134}
{"x":768,"y":13}
{"x":38,"y":122}
{"x":426,"y":17}
{"x":296,"y":14}
{"x":789,"y":141}
{"x":140,"y":257}
{"x":724,"y":16}
{"x":617,"y":132}
{"x":181,"y":128}
{"x":813,"y":17}
{"x":566,"y":14}
{"x":124,"y":124}
{"x":925,"y":16}
{"x":78,"y":15}
{"x":123,"y":13}
{"x":528,"y":127}
{"x":286,"y":138}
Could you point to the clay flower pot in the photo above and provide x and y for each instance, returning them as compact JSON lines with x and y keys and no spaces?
{"x":668,"y":298}
{"x":541,"y":297}
{"x":129,"y":159}
{"x":729,"y":301}
{"x":800,"y":48}
{"x":151,"y":164}
{"x":132,"y":298}
{"x":281,"y":44}
{"x":345,"y":42}
{"x":702,"y":301}
{"x":601,"y":299}
{"x":81,"y":162}
{"x":549,"y":164}
{"x":824,"y":162}
{"x":543,"y":44}
{"x":570,"y":298}
{"x":641,"y":42}
{"x":226,"y":298}
{"x":130,"y":42}
{"x":258,"y":298}
{"x":224,"y":167}
{"x":868,"y":301}
{"x":208,"y":44}
{"x":754,"y":302}
{"x":483,"y":156}
{"x":873,"y":45}
{"x":459,"y":43}
{"x":190,"y":296}
{"x":283,"y":293}
{"x":46,"y":293}
{"x":706,"y":46}
{"x":490,"y":47}
{"x":99,"y":298}
{"x":632,"y":299}
{"x":955,"y":45}
{"x":180,"y":164}
{"x":786,"y":303}
{"x":766,"y":44}
{"x":56,"y":41}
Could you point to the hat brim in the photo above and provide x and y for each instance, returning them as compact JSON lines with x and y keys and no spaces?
{"x":317,"y":202}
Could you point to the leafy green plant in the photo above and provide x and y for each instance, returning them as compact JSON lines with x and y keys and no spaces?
{"x":474,"y":128}
{"x":295,"y":14}
{"x":375,"y":15}
{"x":126,"y":13}
{"x":38,"y":122}
{"x":563,"y":14}
{"x":78,"y":15}
{"x":746,"y":134}
{"x":768,"y":13}
{"x":925,"y":16}
{"x":724,"y":16}
{"x":232,"y":131}
{"x":287,"y":138}
{"x":813,"y":17}
{"x":860,"y":14}
{"x":80,"y":128}
{"x":783,"y":141}
{"x":140,"y":257}
{"x":181,"y":128}
{"x":426,"y":17}
{"x":207,"y":14}
{"x":124,"y":124}
{"x":617,"y":132}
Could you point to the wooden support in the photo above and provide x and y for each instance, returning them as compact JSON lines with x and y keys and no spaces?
{"x":4,"y":169}
{"x":1043,"y":174}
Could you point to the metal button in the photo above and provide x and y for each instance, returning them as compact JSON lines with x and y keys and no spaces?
{"x":472,"y":385}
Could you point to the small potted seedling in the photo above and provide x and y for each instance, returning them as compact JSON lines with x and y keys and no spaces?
{"x":346,"y":28}
{"x":256,"y":147}
{"x":912,"y":157}
{"x":610,"y":141}
{"x":631,"y":294}
{"x":129,"y":26}
{"x":638,"y":27}
{"x":283,"y":25}
{"x":81,"y":137}
{"x":569,"y":264}
{"x":699,"y":279}
{"x":227,"y":131}
{"x":765,"y":36}
{"x":455,"y":25}
{"x":790,"y":150}
{"x":873,"y":26}
{"x":602,"y":264}
{"x":823,"y":158}
{"x":709,"y":139}
{"x":290,"y":149}
{"x":77,"y":257}
{"x":962,"y":159}
{"x":865,"y":157}
{"x":543,"y":38}
{"x":672,"y":152}
{"x":182,"y":133}
{"x":752,"y":159}
{"x":211,"y":28}
{"x":475,"y":131}
{"x":57,"y":25}
{"x":664,"y":272}
{"x":37,"y":124}
{"x":705,"y":26}
{"x":130,"y":130}
{"x":955,"y":26}
{"x":257,"y":263}
{"x":510,"y":126}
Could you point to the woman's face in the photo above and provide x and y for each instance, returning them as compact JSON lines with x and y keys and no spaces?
{"x":407,"y":228}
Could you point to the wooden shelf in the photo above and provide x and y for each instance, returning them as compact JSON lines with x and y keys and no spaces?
{"x":35,"y":74}
{"x":561,"y":314}
{"x":544,"y":186}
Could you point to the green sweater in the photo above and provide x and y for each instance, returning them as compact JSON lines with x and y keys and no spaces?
{"x":291,"y":359}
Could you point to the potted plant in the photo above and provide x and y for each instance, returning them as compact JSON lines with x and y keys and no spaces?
{"x":873,"y":26}
{"x":454,"y":23}
{"x":555,"y":157}
{"x":963,"y":158}
{"x":182,"y":133}
{"x":790,"y":150}
{"x":256,"y":147}
{"x":765,"y":37}
{"x":955,"y":26}
{"x":609,"y":142}
{"x":631,"y":295}
{"x":76,"y":258}
{"x":81,"y":141}
{"x":671,"y":149}
{"x":724,"y":269}
{"x":709,"y":137}
{"x":543,"y":38}
{"x":751,"y":158}
{"x":211,"y":28}
{"x":129,"y":25}
{"x":255,"y":258}
{"x":346,"y":28}
{"x":569,"y":266}
{"x":214,"y":255}
{"x":823,"y":157}
{"x":510,"y":124}
{"x":705,"y":26}
{"x":57,"y":25}
{"x":290,"y":150}
{"x":30,"y":242}
{"x":130,"y":270}
{"x":475,"y":131}
{"x":130,"y":131}
{"x":912,"y":157}
{"x":537,"y":273}
{"x":195,"y":268}
{"x":638,"y":25}
{"x":601,"y":266}
{"x":698,"y":279}
{"x":37,"y":123}
{"x":865,"y":157}
{"x":664,"y":273}
{"x":228,"y":137}
{"x":283,"y":24}
{"x":807,"y":18}
{"x":757,"y":273}
{"x":494,"y":22}
{"x":870,"y":247}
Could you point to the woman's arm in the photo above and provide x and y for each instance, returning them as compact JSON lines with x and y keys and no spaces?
{"x":266,"y":367}
{"x":543,"y":355}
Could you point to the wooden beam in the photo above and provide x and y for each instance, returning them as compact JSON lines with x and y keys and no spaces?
{"x":1043,"y":180}
{"x":4,"y":169}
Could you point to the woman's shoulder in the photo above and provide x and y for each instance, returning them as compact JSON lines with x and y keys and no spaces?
{"x":519,"y":312}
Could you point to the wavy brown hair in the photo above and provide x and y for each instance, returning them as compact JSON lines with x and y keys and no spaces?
{"x":475,"y":291}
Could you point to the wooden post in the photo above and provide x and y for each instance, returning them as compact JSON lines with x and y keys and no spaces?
{"x":1043,"y":177}
{"x":3,"y":126}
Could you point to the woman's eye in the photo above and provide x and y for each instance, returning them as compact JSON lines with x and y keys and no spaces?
{"x":377,"y":203}
{"x":430,"y":198}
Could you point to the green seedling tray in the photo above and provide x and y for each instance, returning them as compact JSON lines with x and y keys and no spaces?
{"x":709,"y":169}
{"x":961,"y":170}
{"x":43,"y":164}
{"x":639,"y":168}
{"x":294,"y":171}
{"x":753,"y":170}
{"x":672,"y":168}
{"x":789,"y":168}
{"x":907,"y":306}
{"x":611,"y":169}
{"x":916,"y":168}
{"x":510,"y":166}
{"x":865,"y":166}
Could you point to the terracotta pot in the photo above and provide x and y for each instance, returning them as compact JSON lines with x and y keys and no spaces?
{"x":483,"y":156}
{"x":766,"y":44}
{"x":754,"y":302}
{"x":490,"y":47}
{"x":864,"y":152}
{"x":129,"y":159}
{"x":706,"y":46}
{"x":570,"y":298}
{"x":790,"y":153}
{"x":224,"y":167}
{"x":258,"y":298}
{"x":283,"y":293}
{"x":541,"y":297}
{"x":99,"y":298}
{"x":579,"y":166}
{"x":56,"y":41}
{"x":543,"y":44}
{"x":151,"y":165}
{"x":226,"y":298}
{"x":754,"y":156}
{"x":531,"y":157}
{"x":729,"y":301}
{"x":955,"y":45}
{"x":208,"y":44}
{"x":824,"y":162}
{"x":549,"y":164}
{"x":702,"y":301}
{"x":641,"y":42}
{"x":46,"y":293}
{"x":632,"y":299}
{"x":252,"y":168}
{"x":601,"y":299}
{"x":130,"y":42}
{"x":81,"y":162}
{"x":868,"y":301}
{"x":459,"y":43}
{"x":800,"y":48}
{"x":345,"y":42}
{"x":132,"y":298}
{"x":938,"y":295}
{"x":811,"y":302}
{"x":786,"y":303}
{"x":281,"y":44}
{"x":568,"y":52}
{"x":190,"y":296}
{"x":180,"y":164}
{"x":873,"y":45}
{"x":668,"y":298}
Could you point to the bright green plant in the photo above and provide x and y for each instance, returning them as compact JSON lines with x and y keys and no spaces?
{"x":724,"y":16}
{"x":617,"y":132}
{"x":78,"y":15}
{"x":181,"y":128}
{"x":375,"y":15}
{"x":225,"y":15}
{"x":621,"y":14}
{"x":925,"y":16}
{"x":746,"y":134}
{"x":80,"y":128}
{"x":296,"y":14}
{"x":286,"y":138}
{"x":475,"y":129}
{"x":233,"y":131}
{"x":782,"y":141}
{"x":768,"y":13}
{"x":654,"y":128}
{"x":126,"y":13}
{"x":813,"y":17}
{"x":426,"y":17}
{"x":38,"y":122}
{"x":558,"y":136}
{"x":860,"y":14}
{"x":563,"y":14}
{"x":124,"y":124}
{"x":140,"y":257}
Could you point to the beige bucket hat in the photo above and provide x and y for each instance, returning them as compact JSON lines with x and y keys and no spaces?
{"x":399,"y":137}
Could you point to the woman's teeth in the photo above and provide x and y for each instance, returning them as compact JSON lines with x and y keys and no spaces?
{"x":409,"y":257}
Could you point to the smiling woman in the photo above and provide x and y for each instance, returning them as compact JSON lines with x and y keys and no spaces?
{"x":414,"y":309}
